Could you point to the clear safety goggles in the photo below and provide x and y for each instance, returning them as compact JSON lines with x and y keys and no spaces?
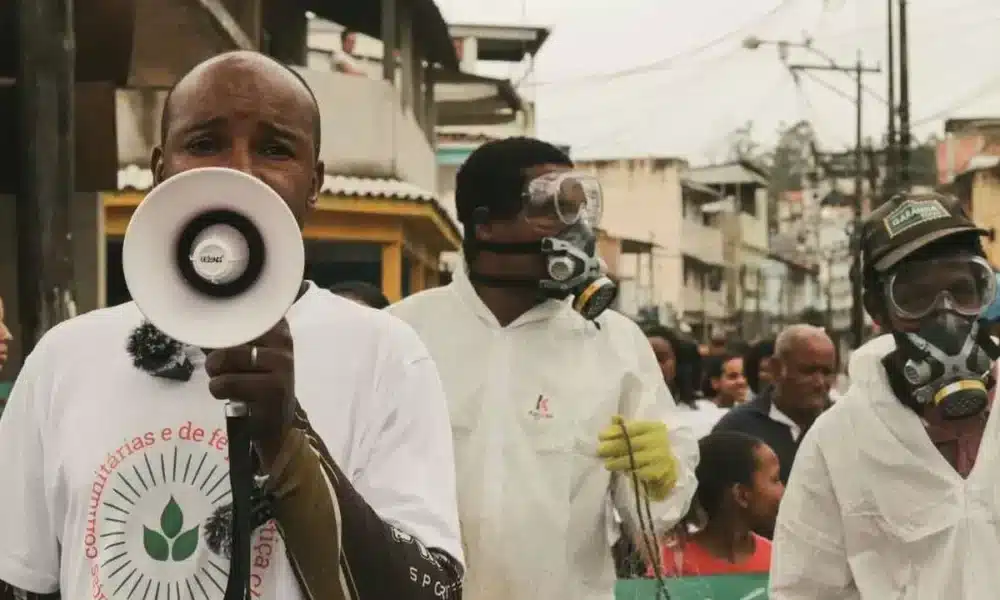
{"x":567,"y":196}
{"x":962,"y":284}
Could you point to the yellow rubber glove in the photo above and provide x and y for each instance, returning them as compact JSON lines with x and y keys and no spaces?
{"x":655,"y":464}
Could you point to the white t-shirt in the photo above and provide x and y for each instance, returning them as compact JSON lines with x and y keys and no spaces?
{"x":111,"y":472}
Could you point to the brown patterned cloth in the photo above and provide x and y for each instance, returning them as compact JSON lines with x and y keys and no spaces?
{"x":957,"y":440}
{"x":308,"y":517}
{"x":338,"y":546}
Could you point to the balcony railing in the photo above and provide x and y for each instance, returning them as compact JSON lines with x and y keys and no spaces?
{"x":366,"y":131}
{"x":701,"y":242}
{"x":711,"y":302}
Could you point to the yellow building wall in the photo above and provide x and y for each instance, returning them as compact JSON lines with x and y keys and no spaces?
{"x":986,"y":211}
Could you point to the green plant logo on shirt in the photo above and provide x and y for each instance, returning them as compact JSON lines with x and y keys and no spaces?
{"x":149,"y":501}
{"x":171,"y":542}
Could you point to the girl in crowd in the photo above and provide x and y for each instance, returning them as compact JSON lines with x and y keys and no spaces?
{"x":724,"y":379}
{"x":739,"y":489}
{"x":680,"y":364}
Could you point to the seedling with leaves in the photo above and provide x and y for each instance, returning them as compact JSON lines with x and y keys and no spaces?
{"x":169,"y":543}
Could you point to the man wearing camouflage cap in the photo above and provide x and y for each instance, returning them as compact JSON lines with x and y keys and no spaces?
{"x":883,"y":500}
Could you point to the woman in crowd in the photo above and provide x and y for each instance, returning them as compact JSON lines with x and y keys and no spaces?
{"x":757,"y":366}
{"x":680,"y":363}
{"x":739,"y":489}
{"x":724,"y":379}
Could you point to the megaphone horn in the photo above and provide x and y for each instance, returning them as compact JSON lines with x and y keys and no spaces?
{"x":213,"y":257}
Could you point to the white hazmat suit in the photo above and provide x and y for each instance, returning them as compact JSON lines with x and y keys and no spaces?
{"x":527,"y":402}
{"x":873,"y":510}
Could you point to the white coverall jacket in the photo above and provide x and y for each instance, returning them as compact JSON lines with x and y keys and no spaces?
{"x":873,"y":511}
{"x":527,"y":402}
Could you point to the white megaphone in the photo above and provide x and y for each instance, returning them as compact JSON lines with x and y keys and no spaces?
{"x":213,"y":257}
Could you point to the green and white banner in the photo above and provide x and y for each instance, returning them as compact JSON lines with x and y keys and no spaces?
{"x":716,"y":587}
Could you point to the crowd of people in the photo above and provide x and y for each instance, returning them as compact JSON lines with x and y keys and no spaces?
{"x":749,"y":406}
{"x":504,"y":435}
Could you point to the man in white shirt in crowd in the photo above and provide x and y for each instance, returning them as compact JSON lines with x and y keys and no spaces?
{"x":116,"y":465}
{"x":804,"y":367}
{"x":892,"y":495}
{"x":540,"y":387}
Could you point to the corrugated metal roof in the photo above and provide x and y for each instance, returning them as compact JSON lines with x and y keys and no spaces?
{"x":134,"y":177}
{"x":723,"y":175}
{"x":700,"y":187}
{"x":463,"y":137}
{"x":981,"y":162}
{"x":375,"y":188}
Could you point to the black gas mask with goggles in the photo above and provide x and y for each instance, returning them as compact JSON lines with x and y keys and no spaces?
{"x":574,"y":201}
{"x":946,"y":359}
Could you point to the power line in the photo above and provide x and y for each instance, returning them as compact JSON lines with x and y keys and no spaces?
{"x":764,"y":101}
{"x":955,"y":8}
{"x":976,"y":94}
{"x":643,"y":118}
{"x":699,"y":70}
{"x":669,"y":61}
{"x":811,"y":111}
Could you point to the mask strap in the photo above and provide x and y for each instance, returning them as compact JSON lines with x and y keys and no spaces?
{"x":502,"y":282}
{"x":985,"y":341}
{"x":892,"y":363}
{"x":509,"y":247}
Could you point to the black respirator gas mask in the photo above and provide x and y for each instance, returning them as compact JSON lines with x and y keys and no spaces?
{"x":574,"y":201}
{"x":946,"y":362}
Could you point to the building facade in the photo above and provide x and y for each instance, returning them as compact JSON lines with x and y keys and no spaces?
{"x":643,"y":202}
{"x":742,"y":213}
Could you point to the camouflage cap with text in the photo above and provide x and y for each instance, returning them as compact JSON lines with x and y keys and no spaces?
{"x":906,"y":223}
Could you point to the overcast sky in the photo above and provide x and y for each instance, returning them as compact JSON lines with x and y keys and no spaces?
{"x":594,"y":93}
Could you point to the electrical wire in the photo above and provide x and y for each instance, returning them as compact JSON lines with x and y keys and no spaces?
{"x":953,"y":8}
{"x":962,"y":102}
{"x":668,"y":61}
{"x":830,"y":87}
{"x":642,"y":118}
{"x":652,"y":93}
{"x":645,"y":515}
{"x":764,"y":101}
{"x":827,"y":86}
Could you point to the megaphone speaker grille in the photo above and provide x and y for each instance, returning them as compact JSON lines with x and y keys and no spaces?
{"x":213,"y":267}
{"x":213,"y":257}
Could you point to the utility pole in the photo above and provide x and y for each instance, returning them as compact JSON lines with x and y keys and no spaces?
{"x":858,"y":70}
{"x":829,"y":291}
{"x":872,"y":171}
{"x":45,"y":87}
{"x":906,"y":174}
{"x":743,"y":302}
{"x":892,"y":148}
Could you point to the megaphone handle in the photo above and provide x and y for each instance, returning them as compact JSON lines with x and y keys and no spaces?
{"x":241,"y":486}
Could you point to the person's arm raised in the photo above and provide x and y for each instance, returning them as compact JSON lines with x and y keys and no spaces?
{"x":394,"y":524}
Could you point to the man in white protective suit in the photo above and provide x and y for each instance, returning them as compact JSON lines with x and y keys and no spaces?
{"x":542,"y":381}
{"x":892,"y":495}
